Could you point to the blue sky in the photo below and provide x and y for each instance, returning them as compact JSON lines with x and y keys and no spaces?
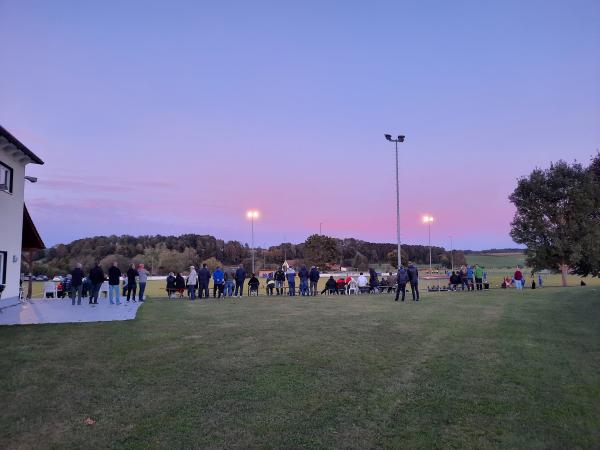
{"x":173,"y":117}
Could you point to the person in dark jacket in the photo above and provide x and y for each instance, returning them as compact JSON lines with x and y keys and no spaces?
{"x":114,"y":281}
{"x":279,"y":281}
{"x":314,"y":276}
{"x":76,"y":284}
{"x":179,"y":284}
{"x":171,"y":284}
{"x":131,"y":282}
{"x":240,"y":276}
{"x":373,"y":281}
{"x":270,"y":284}
{"x":253,"y":284}
{"x":96,"y":279}
{"x":413,"y":278}
{"x":203,"y":280}
{"x":330,"y":286}
{"x":402,"y":279}
{"x":303,"y":275}
{"x":218,"y":283}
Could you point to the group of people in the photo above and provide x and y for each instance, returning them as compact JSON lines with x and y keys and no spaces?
{"x":467,"y":277}
{"x":78,"y":285}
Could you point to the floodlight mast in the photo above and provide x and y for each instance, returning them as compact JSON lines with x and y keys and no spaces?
{"x":395,"y":141}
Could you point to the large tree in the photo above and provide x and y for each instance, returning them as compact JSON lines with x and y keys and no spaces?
{"x":558,"y":218}
{"x":320,"y":250}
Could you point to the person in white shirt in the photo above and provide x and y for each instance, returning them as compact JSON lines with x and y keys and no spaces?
{"x":362,"y":281}
{"x":191,"y":283}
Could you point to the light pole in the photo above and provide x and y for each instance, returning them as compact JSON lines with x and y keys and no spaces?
{"x":252,"y":215}
{"x":451,"y":254}
{"x":428,"y":220}
{"x":395,"y":141}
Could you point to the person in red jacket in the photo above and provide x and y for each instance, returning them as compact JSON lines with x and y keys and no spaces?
{"x":518,"y":277}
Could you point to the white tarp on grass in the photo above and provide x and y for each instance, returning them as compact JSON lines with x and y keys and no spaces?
{"x":61,"y":311}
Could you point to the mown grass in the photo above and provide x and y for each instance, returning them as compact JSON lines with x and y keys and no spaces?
{"x":474,"y":370}
{"x":496,"y":260}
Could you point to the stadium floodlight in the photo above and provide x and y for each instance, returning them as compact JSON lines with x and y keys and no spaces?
{"x":395,"y":141}
{"x":252,"y":214}
{"x":429,"y":220}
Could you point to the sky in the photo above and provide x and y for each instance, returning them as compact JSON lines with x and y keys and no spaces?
{"x":174,"y":117}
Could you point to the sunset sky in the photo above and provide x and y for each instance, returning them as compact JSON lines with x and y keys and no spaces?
{"x":178,"y":116}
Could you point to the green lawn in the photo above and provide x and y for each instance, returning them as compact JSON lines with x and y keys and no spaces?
{"x":492,"y":370}
{"x":496,"y":260}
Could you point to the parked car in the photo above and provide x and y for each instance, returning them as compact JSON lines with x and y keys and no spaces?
{"x":58,"y":278}
{"x":41,"y":278}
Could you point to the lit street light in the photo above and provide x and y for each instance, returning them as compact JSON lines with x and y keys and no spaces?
{"x":395,"y":141}
{"x":428,"y":220}
{"x":252,"y":215}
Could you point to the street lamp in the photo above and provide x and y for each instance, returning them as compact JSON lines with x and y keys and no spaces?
{"x":395,"y":141}
{"x":452,"y":253}
{"x":428,"y":220}
{"x":252,"y":215}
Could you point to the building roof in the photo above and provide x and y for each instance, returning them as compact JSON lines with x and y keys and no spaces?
{"x":31,"y":237}
{"x":8,"y":139}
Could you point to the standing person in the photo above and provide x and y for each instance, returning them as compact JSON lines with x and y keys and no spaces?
{"x":540,"y":280}
{"x":373,"y":281}
{"x":76,"y":284}
{"x":270,"y":284}
{"x":96,"y":279}
{"x":219,"y":282}
{"x":290,"y":275}
{"x":402,"y":279}
{"x":192,"y":279}
{"x":470,"y":285}
{"x":124,"y":290}
{"x":171,"y":284}
{"x":229,"y":278}
{"x":413,"y":278}
{"x":131,"y":282}
{"x":463,"y":278}
{"x":478,"y":277}
{"x":240,"y":276}
{"x":114,"y":281}
{"x":142,"y":279}
{"x":518,"y":277}
{"x":314,"y":276}
{"x":279,"y":280}
{"x":303,"y":274}
{"x":203,"y":280}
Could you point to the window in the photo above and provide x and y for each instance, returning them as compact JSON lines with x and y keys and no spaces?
{"x":3,"y":256}
{"x":6,"y":178}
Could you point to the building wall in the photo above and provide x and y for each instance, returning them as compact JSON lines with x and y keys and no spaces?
{"x":11,"y":225}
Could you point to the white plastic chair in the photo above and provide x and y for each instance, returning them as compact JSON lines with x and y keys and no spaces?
{"x":50,"y":288}
{"x":352,"y":287}
{"x":104,"y":289}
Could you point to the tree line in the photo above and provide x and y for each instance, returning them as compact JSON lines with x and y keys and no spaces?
{"x":163,"y":254}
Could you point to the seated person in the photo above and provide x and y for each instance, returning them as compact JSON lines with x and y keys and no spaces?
{"x":179,"y":284}
{"x":253,"y":285}
{"x":171,"y":284}
{"x":270,"y":284}
{"x":341,"y":286}
{"x":60,"y":290}
{"x":330,"y":286}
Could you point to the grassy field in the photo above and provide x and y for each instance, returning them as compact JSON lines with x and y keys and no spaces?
{"x":491,"y":370}
{"x":496,"y":260}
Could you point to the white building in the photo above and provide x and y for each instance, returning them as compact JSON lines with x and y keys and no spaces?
{"x":17,"y":232}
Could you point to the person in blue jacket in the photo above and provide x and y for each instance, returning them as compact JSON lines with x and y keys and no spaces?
{"x":219,"y":282}
{"x":290,"y":275}
{"x":240,"y":276}
{"x":303,"y":275}
{"x":470,"y":273}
